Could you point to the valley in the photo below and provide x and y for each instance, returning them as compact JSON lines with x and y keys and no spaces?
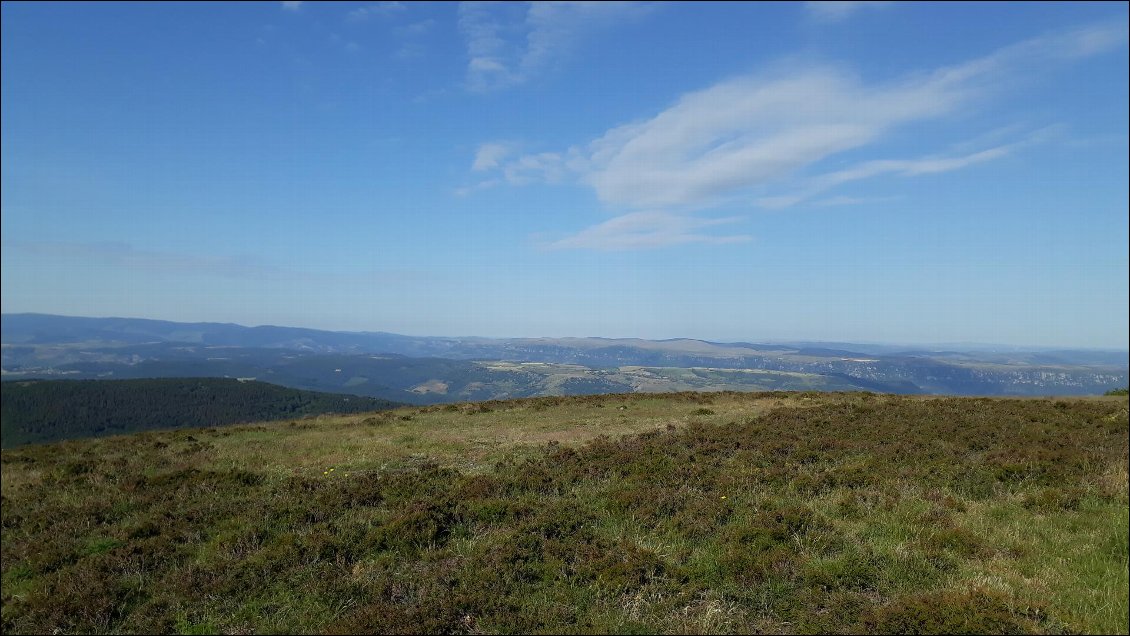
{"x":433,"y":369}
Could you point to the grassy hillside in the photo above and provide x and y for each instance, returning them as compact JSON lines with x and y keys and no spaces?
{"x":46,"y":411}
{"x":682,"y":513}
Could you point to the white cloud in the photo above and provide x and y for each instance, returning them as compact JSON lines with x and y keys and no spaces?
{"x":767,"y":138}
{"x":639,"y":230}
{"x":490,"y":155}
{"x":748,"y":136}
{"x":830,"y":11}
{"x":747,"y":132}
{"x":934,"y":164}
{"x":376,"y":9}
{"x":291,"y":6}
{"x":896,"y":167}
{"x":549,"y":167}
{"x":508,"y":43}
{"x":482,"y":185}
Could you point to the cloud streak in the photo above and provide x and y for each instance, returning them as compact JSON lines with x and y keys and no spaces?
{"x":750,"y":135}
{"x":894,"y":167}
{"x":509,"y":43}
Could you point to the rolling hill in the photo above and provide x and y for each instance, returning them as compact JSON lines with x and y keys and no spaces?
{"x":399,"y":368}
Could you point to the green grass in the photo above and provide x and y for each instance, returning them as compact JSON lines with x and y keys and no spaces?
{"x":682,"y":513}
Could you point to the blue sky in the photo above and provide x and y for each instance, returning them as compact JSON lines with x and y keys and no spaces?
{"x":852,"y":171}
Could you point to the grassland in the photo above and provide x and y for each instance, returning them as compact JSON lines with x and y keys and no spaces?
{"x":680,"y":513}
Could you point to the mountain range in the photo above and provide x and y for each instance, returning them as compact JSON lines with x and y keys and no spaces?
{"x":426,"y":369}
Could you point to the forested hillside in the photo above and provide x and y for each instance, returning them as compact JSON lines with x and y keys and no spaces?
{"x":44,"y":411}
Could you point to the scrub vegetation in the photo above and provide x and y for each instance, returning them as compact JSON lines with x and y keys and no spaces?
{"x":678,"y":513}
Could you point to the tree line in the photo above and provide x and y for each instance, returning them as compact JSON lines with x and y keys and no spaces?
{"x":49,"y":410}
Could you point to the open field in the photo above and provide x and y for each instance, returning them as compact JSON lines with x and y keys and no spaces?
{"x":675,"y":513}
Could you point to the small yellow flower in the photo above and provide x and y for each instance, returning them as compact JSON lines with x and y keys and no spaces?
{"x":331,"y":470}
{"x":325,"y":472}
{"x":723,"y":496}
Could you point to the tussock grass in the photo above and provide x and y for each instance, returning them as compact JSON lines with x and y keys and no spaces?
{"x":682,"y":513}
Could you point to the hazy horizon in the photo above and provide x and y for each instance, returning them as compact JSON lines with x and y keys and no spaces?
{"x":971,"y":346}
{"x":916,"y":174}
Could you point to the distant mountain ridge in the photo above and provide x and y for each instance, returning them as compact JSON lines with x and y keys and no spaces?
{"x":40,"y":345}
{"x":32,"y":328}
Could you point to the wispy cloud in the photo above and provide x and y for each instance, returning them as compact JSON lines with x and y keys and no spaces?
{"x":830,"y":11}
{"x":376,"y":9}
{"x":749,"y":136}
{"x":508,"y":43}
{"x":639,"y":230}
{"x":894,"y":167}
{"x":482,"y":185}
{"x":291,"y":6}
{"x":490,"y":155}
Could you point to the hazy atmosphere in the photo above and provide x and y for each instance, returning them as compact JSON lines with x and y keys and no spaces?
{"x":851,"y":171}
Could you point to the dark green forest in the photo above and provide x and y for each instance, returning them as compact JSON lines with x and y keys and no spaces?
{"x":33,"y":412}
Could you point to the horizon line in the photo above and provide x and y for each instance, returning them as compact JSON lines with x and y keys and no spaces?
{"x":752,"y":341}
